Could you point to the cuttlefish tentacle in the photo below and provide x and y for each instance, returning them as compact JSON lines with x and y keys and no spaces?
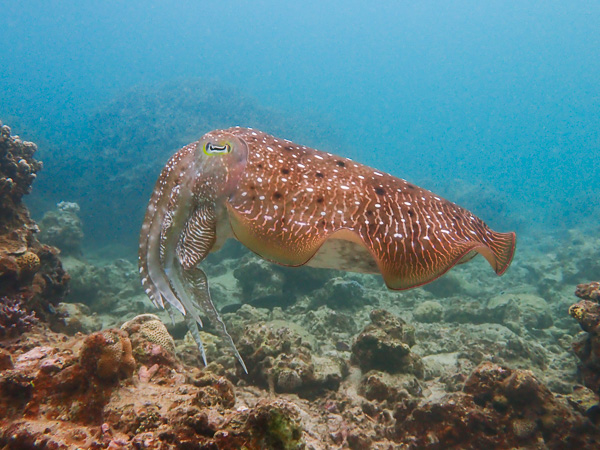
{"x":157,"y":220}
{"x":197,"y":239}
{"x":180,"y":229}
{"x":199,"y":284}
{"x":295,"y":205}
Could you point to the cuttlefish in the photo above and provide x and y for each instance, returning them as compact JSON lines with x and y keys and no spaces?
{"x":295,"y":205}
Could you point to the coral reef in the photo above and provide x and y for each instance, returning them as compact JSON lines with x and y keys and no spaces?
{"x":62,"y":228}
{"x":429,"y":312}
{"x":499,"y":408}
{"x":75,"y":318}
{"x":14,"y":318}
{"x":31,"y":275}
{"x":152,"y":343}
{"x":108,"y":355}
{"x":280,"y":359}
{"x":105,"y":287}
{"x":268,"y":285}
{"x":587,"y":346}
{"x":483,"y":363}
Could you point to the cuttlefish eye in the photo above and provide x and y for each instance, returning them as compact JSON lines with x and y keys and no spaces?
{"x":214,"y":149}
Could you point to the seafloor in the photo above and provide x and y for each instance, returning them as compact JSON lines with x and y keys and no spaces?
{"x":335,"y":360}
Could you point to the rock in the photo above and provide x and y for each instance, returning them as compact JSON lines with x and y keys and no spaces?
{"x":5,"y":360}
{"x":213,"y":391}
{"x":429,"y":312}
{"x":385,"y":344}
{"x":75,"y":318}
{"x":585,"y":401}
{"x":389,"y":389}
{"x":520,"y":312}
{"x":340,"y":293}
{"x":325,"y":322}
{"x":262,"y":285}
{"x":499,"y":408}
{"x":62,"y":228}
{"x":278,"y":357}
{"x":589,"y":291}
{"x":587,"y":346}
{"x":107,"y":355}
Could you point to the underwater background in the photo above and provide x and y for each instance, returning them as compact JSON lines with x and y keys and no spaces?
{"x":493,"y":105}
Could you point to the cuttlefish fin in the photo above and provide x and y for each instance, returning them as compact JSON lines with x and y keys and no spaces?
{"x":197,"y":239}
{"x":403,"y":264}
{"x":497,"y":248}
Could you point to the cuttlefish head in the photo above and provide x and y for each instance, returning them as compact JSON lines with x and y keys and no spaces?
{"x":205,"y":172}
{"x":220,"y":158}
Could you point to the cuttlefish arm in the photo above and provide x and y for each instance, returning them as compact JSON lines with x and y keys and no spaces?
{"x":295,"y":205}
{"x":180,"y":229}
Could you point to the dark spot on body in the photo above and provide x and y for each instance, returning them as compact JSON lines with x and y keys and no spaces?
{"x":277,"y":195}
{"x":369,"y":212}
{"x":320,"y":200}
{"x":322,"y":223}
{"x":253,"y":197}
{"x":410,"y":186}
{"x":320,"y":175}
{"x":252,"y":187}
{"x":285,"y":171}
{"x":289,"y":148}
{"x":379,"y":191}
{"x":259,"y":165}
{"x":411,"y":213}
{"x":341,"y":163}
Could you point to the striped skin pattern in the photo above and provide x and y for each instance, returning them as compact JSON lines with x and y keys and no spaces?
{"x":295,"y":205}
{"x":293,"y":200}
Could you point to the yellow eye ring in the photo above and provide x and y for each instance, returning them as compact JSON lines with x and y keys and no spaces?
{"x":211,"y":149}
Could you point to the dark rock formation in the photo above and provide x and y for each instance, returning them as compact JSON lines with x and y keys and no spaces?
{"x":587,"y":347}
{"x":499,"y":408}
{"x":385,"y":345}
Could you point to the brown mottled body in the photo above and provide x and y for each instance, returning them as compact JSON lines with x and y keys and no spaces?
{"x":293,"y":200}
{"x":295,"y":205}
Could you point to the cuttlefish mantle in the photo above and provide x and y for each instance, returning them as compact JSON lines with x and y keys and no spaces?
{"x":295,"y":205}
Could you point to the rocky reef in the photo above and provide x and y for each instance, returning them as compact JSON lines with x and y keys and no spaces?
{"x":32,"y":280}
{"x":587,"y":345}
{"x":62,"y":228}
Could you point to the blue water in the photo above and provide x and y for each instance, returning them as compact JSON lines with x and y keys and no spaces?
{"x":501,"y":94}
